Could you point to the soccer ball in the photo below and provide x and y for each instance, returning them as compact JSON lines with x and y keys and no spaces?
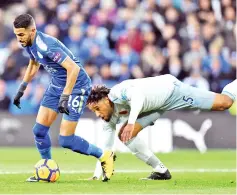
{"x":47,"y":170}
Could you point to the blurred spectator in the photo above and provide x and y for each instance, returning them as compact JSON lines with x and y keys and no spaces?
{"x":32,"y":6}
{"x":4,"y":99}
{"x":208,"y":34}
{"x":148,"y":35}
{"x":92,"y":71}
{"x":93,"y":38}
{"x":230,"y":41}
{"x":132,"y":37}
{"x":78,"y":19}
{"x":50,"y":7}
{"x":174,"y":68}
{"x":14,"y":62}
{"x":89,"y":7}
{"x":152,"y":61}
{"x":40,"y":20}
{"x":5,"y":31}
{"x":97,"y":57}
{"x":100,"y":18}
{"x":173,"y":48}
{"x":204,"y":11}
{"x":173,"y":17}
{"x":73,"y":6}
{"x":168,"y":32}
{"x":127,"y":56}
{"x":191,"y":29}
{"x":227,"y":3}
{"x":119,"y":28}
{"x":52,"y":30}
{"x":188,"y":6}
{"x":215,"y":55}
{"x":163,"y":5}
{"x":131,"y":4}
{"x":197,"y":80}
{"x":74,"y":42}
{"x":106,"y":76}
{"x":196,"y":52}
{"x":62,"y":20}
{"x":120,"y":71}
{"x":215,"y":65}
{"x":229,"y":18}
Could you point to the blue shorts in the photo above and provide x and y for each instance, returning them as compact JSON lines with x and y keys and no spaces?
{"x":76,"y":104}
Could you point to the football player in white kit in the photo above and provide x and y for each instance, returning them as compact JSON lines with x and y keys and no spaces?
{"x":138,"y":103}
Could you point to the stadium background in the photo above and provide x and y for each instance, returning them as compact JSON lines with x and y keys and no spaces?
{"x":194,"y":40}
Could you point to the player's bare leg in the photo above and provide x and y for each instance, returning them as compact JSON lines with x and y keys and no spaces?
{"x":222,"y":102}
{"x":142,"y":152}
{"x":68,"y":139}
{"x":44,"y":120}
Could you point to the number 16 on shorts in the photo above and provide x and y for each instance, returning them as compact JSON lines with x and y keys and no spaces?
{"x":76,"y":102}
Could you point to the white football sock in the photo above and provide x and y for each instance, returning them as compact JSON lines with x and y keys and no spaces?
{"x":98,"y":170}
{"x":141,"y":151}
{"x":231,"y":90}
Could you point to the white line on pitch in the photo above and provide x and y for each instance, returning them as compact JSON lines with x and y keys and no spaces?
{"x":131,"y":171}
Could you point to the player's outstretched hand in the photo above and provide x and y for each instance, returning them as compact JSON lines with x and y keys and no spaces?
{"x":17,"y":98}
{"x":63,"y":104}
{"x":127,"y":133}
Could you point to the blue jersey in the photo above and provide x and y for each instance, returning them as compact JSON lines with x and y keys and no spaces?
{"x":50,"y":53}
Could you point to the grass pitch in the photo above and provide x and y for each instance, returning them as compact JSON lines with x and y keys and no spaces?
{"x":192,"y":173}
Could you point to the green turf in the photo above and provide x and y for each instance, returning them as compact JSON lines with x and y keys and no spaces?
{"x":23,"y":159}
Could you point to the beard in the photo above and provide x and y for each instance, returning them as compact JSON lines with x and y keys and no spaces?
{"x":109,"y":117}
{"x":27,"y":43}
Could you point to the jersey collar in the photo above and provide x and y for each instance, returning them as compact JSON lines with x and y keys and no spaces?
{"x":33,"y":44}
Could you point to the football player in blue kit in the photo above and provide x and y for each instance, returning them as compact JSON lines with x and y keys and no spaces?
{"x":67,"y":93}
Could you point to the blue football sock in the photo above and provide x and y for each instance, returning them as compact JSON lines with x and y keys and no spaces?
{"x":42,"y":140}
{"x":80,"y":145}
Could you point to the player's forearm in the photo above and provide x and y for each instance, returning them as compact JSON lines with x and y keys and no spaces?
{"x":30,"y":72}
{"x":72,"y":75}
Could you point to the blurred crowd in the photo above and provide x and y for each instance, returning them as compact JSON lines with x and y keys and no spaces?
{"x":194,"y":40}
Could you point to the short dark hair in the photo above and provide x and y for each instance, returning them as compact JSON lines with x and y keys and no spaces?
{"x":23,"y":21}
{"x":98,"y":92}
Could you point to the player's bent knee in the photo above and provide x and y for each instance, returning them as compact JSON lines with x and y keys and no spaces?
{"x":40,"y":130}
{"x":222,"y":102}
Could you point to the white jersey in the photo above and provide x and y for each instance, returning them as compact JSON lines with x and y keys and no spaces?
{"x":141,"y":95}
{"x":130,"y":98}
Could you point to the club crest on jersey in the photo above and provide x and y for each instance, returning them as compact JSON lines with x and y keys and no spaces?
{"x":123,"y":112}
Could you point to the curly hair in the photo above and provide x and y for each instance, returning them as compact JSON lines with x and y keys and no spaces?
{"x":98,"y":92}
